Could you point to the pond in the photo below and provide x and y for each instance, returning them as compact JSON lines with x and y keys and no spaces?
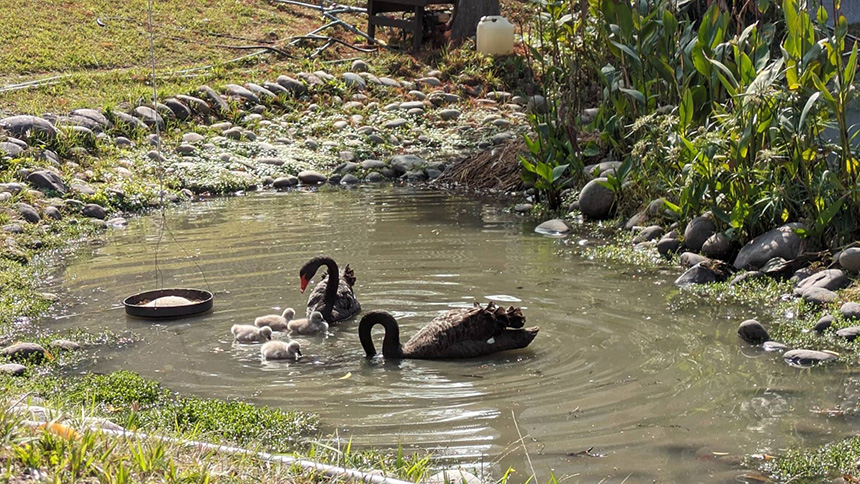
{"x":656,"y":389}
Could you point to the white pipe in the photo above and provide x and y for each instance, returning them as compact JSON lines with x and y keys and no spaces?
{"x":329,"y":470}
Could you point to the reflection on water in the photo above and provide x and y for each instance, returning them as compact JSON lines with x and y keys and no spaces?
{"x":661,"y":392}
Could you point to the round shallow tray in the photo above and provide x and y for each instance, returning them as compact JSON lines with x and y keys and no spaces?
{"x":134,"y":304}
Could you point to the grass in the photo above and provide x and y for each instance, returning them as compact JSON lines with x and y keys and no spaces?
{"x":838,"y":459}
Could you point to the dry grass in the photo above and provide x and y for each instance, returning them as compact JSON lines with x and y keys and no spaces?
{"x":494,"y":169}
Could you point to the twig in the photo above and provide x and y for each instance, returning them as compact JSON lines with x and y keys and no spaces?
{"x":523,"y":442}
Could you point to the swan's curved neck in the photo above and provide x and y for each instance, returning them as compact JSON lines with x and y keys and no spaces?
{"x":390,"y":344}
{"x":331,"y":287}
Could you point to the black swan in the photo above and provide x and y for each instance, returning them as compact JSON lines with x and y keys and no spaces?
{"x":246,"y":333}
{"x":276,"y":322}
{"x":333,"y":297}
{"x":459,"y":333}
{"x":313,"y":325}
{"x":281,"y":350}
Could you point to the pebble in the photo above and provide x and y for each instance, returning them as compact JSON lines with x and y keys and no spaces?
{"x":449,"y":114}
{"x":824,"y":323}
{"x":774,"y":346}
{"x":523,"y":207}
{"x":745,"y":276}
{"x":359,"y":65}
{"x":553,"y":227}
{"x":849,"y":259}
{"x":648,"y":233}
{"x":415,"y":112}
{"x":13,"y":369}
{"x":850,"y":310}
{"x":353,"y":79}
{"x":831,"y":279}
{"x":420,"y":96}
{"x":699,"y":230}
{"x":311,"y":144}
{"x":819,"y":296}
{"x":285,"y":182}
{"x":375,"y":139}
{"x":93,"y":210}
{"x":412,"y":105}
{"x":310,"y":177}
{"x":23,"y":352}
{"x":52,"y":213}
{"x":805,"y":358}
{"x":375,"y":177}
{"x":503,"y":137}
{"x":29,"y":213}
{"x":372,"y":164}
{"x":185,"y":149}
{"x":65,"y":345}
{"x":395,"y":123}
{"x":349,"y":179}
{"x":850,"y":333}
{"x":48,"y":180}
{"x":429,"y":80}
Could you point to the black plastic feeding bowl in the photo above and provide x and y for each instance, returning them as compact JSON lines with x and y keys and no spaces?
{"x":136,"y":305}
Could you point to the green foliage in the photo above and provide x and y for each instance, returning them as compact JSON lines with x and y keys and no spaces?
{"x":543,"y":170}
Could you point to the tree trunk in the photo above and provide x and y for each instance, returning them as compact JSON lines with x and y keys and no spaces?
{"x":468,"y":13}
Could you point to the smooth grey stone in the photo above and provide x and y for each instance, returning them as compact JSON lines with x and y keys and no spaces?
{"x":234,"y":133}
{"x":850,"y":333}
{"x":668,"y":245}
{"x":93,"y":210}
{"x":429,"y":80}
{"x":29,"y":213}
{"x":13,"y":188}
{"x":339,"y":125}
{"x":801,"y":274}
{"x":52,"y":213}
{"x":850,"y":310}
{"x":17,"y":142}
{"x":251,"y":118}
{"x":375,"y":177}
{"x":405,"y":163}
{"x":415,"y":175}
{"x":411,"y":105}
{"x":192,"y":138}
{"x":375,"y":139}
{"x":222,"y":126}
{"x":348,"y":156}
{"x":13,"y":229}
{"x":603,"y":169}
{"x":242,"y":93}
{"x":389,"y":172}
{"x":824,"y":323}
{"x":819,"y":296}
{"x":831,"y":279}
{"x":498,"y":95}
{"x":371,"y":78}
{"x":294,"y":86}
{"x":260,"y":91}
{"x":348,"y":167}
{"x":554,"y":226}
{"x":123,"y":142}
{"x":704,"y":273}
{"x":657,"y":207}
{"x":780,"y":242}
{"x":648,"y":234}
{"x":47,"y":180}
{"x":637,"y":221}
{"x":74,"y":205}
{"x":849,"y":259}
{"x":449,"y":114}
{"x":697,"y":232}
{"x":271,"y":161}
{"x":537,"y":105}
{"x":420,"y":96}
{"x":746,"y":276}
{"x":310,"y":177}
{"x":335,"y":179}
{"x":196,"y":104}
{"x":185,"y":149}
{"x":353,"y":79}
{"x":349,"y":179}
{"x":807,"y":357}
{"x":123,"y":119}
{"x":23,"y":352}
{"x":718,"y":246}
{"x":753,"y":332}
{"x":81,"y":187}
{"x":10,"y":149}
{"x":523,"y":207}
{"x":149,"y":116}
{"x":117,"y":222}
{"x":24,"y":126}
{"x":395,"y":123}
{"x":433,"y":173}
{"x":311,"y":144}
{"x":94,"y":115}
{"x":12,"y":369}
{"x":389,"y":82}
{"x":774,"y":346}
{"x":415,"y":112}
{"x":276,"y":88}
{"x":359,"y":65}
{"x":502,"y":138}
{"x":372,"y":164}
{"x":596,"y":201}
{"x":65,"y":345}
{"x":285,"y":182}
{"x":216,"y":101}
{"x":180,"y":111}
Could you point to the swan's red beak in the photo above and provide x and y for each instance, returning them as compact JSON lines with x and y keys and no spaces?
{"x":304,"y":283}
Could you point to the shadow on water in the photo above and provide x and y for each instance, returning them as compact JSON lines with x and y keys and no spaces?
{"x":655,"y":391}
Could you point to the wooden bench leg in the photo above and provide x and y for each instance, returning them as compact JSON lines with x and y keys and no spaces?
{"x":371,"y":27}
{"x":418,"y":33}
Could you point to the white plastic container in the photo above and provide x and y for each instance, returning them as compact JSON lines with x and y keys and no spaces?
{"x":495,"y":35}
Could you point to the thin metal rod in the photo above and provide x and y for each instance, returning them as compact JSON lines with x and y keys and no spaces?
{"x":160,"y":169}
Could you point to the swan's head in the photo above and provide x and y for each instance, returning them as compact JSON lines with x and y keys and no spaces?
{"x":306,"y":276}
{"x":293,"y":349}
{"x":318,"y":321}
{"x":289,"y":314}
{"x":266,"y":332}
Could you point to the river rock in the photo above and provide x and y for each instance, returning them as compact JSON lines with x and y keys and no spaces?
{"x":774,"y":346}
{"x":537,"y":105}
{"x":698,"y":231}
{"x":10,"y":149}
{"x":93,"y":210}
{"x":717,"y":246}
{"x":242,"y":92}
{"x":746,"y":276}
{"x":596,"y":201}
{"x":123,"y":119}
{"x":637,"y":220}
{"x":197,"y":105}
{"x":25,"y":126}
{"x":234,"y":133}
{"x":807,"y":357}
{"x":149,"y":116}
{"x":849,"y":259}
{"x":850,"y":310}
{"x":310,"y":177}
{"x":819,"y":296}
{"x":704,"y":273}
{"x":23,"y":352}
{"x":402,"y":164}
{"x":180,"y":111}
{"x":216,"y":101}
{"x":669,"y":244}
{"x":185,"y":149}
{"x":96,"y":116}
{"x":65,"y":345}
{"x":780,"y":242}
{"x":52,"y":213}
{"x":555,"y":226}
{"x":395,"y":123}
{"x":260,"y":91}
{"x":13,"y":229}
{"x":353,"y":79}
{"x":375,"y":139}
{"x":449,"y":114}
{"x":349,"y":179}
{"x":285,"y":182}
{"x":123,"y":142}
{"x":375,"y":177}
{"x":648,"y":233}
{"x":29,"y":213}
{"x":192,"y":138}
{"x":12,"y":369}
{"x":824,"y":323}
{"x":429,"y":80}
{"x":359,"y":65}
{"x":523,"y":207}
{"x":453,"y":476}
{"x":372,"y":164}
{"x":47,"y":180}
{"x":753,"y":332}
{"x":292,"y":85}
{"x":850,"y":333}
{"x":831,"y":279}
{"x":689,"y":259}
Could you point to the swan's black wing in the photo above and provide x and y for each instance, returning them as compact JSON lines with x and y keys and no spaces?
{"x":345,"y":304}
{"x":466,"y":333}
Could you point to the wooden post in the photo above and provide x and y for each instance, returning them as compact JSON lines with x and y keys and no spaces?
{"x":467,"y":14}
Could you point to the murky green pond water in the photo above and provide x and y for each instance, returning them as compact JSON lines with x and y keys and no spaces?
{"x":661,"y":390}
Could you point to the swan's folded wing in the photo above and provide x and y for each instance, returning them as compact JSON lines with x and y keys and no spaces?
{"x":346,"y":305}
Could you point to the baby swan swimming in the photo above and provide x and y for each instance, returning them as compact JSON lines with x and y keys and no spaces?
{"x":277,"y":323}
{"x":246,"y":333}
{"x":281,"y":350}
{"x":313,"y":325}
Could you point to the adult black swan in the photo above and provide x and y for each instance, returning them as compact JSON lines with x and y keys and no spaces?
{"x":333,"y":296}
{"x":459,"y":333}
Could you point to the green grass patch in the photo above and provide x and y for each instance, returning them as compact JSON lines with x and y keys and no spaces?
{"x":808,"y":466}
